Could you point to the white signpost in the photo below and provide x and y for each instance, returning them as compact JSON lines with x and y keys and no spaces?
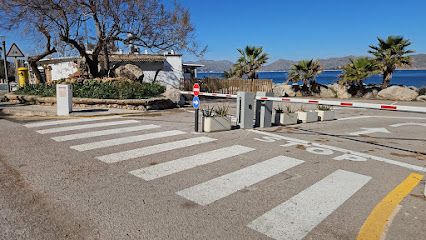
{"x":63,"y":99}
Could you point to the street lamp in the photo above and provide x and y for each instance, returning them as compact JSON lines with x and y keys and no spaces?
{"x":3,"y":40}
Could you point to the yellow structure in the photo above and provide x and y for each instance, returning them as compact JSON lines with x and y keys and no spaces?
{"x":23,"y":76}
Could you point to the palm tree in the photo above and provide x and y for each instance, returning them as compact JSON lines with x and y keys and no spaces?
{"x":305,"y":71}
{"x":232,"y":73}
{"x":250,"y":61}
{"x":390,"y":54}
{"x":357,"y":71}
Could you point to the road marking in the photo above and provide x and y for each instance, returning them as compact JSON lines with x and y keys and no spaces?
{"x":124,"y":140}
{"x":103,"y":132}
{"x":381,"y":117}
{"x":59,"y":122}
{"x":215,"y":189}
{"x":273,"y":137}
{"x":296,"y":217}
{"x":369,"y":130}
{"x":374,"y":227}
{"x":408,"y":124}
{"x":85,"y":126}
{"x":145,"y":151}
{"x":178,"y":165}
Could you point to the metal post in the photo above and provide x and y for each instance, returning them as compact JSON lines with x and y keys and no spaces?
{"x":5,"y":66}
{"x":196,"y":120}
{"x":264,"y":110}
{"x":245,"y":109}
{"x":16,"y":72}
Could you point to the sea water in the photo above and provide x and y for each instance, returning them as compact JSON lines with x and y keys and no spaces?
{"x":416,"y":78}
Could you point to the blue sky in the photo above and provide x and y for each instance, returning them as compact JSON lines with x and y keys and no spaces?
{"x":295,"y":29}
{"x":305,"y":28}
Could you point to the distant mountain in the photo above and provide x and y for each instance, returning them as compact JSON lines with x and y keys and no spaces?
{"x":279,"y":65}
{"x":419,"y":62}
{"x":214,"y":66}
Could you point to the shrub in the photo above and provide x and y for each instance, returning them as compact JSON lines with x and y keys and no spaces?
{"x":422,"y":91}
{"x":38,"y":89}
{"x":99,"y":89}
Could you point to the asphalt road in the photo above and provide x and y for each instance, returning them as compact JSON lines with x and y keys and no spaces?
{"x":150,"y":176}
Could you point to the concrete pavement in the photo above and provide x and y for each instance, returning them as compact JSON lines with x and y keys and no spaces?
{"x":151,"y":177}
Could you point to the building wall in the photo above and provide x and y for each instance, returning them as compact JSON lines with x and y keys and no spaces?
{"x":62,"y":70}
{"x":170,"y":75}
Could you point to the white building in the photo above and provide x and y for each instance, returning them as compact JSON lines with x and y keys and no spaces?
{"x":165,"y":69}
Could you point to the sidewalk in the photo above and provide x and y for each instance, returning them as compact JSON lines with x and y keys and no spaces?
{"x":24,"y":110}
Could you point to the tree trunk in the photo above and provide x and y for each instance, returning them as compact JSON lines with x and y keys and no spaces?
{"x":106,"y":59}
{"x":38,"y":77}
{"x":387,"y":76}
{"x":32,"y":61}
{"x":92,"y":64}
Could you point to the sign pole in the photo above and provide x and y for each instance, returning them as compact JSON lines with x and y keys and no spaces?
{"x":5,"y":66}
{"x":16,"y":72}
{"x":196,"y":104}
{"x":196,"y":120}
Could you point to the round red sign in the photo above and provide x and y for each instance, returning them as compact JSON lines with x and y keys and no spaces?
{"x":196,"y":89}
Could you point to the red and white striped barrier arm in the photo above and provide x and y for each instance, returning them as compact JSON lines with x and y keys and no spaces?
{"x":210,"y":94}
{"x":323,"y":102}
{"x":346,"y":104}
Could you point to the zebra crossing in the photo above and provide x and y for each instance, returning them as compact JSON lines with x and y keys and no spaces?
{"x":292,"y":219}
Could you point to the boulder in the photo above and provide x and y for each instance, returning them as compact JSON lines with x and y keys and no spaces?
{"x":129,"y":71}
{"x":341,"y":91}
{"x":398,"y":93}
{"x":283,"y":90}
{"x":175,"y":96}
{"x":421,"y":98}
{"x":371,"y":93}
{"x":326,"y":92}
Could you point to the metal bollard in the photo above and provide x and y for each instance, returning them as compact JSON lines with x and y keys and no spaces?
{"x":264,"y":110}
{"x":245,"y":109}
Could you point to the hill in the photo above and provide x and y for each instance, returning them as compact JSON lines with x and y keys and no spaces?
{"x":214,"y":66}
{"x":419,"y":62}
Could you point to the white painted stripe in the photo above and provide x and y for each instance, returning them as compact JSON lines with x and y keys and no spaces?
{"x":274,"y":137}
{"x":85,"y":126}
{"x":145,"y":151}
{"x":67,"y":121}
{"x":215,"y":189}
{"x":124,"y":140}
{"x":103,"y":133}
{"x":178,"y":165}
{"x":295,"y":218}
{"x":389,"y":117}
{"x":408,"y":124}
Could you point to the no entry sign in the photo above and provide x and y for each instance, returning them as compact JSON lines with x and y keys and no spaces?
{"x":196,"y":89}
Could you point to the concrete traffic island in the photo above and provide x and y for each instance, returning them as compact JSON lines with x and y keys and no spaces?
{"x":157,"y":103}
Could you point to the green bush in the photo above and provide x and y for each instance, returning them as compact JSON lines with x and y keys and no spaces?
{"x":99,"y":89}
{"x":38,"y":89}
{"x":422,"y":91}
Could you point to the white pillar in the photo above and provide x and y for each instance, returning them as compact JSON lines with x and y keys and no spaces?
{"x":63,"y":99}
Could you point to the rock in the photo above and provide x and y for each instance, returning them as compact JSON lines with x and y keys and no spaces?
{"x":340,"y":90}
{"x":371,"y":94}
{"x":283,"y":90}
{"x":175,"y":96}
{"x":421,"y":98}
{"x":129,"y":71}
{"x":326,"y":92}
{"x":398,"y":93}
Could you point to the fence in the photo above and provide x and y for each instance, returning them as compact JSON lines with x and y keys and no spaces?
{"x":229,"y":86}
